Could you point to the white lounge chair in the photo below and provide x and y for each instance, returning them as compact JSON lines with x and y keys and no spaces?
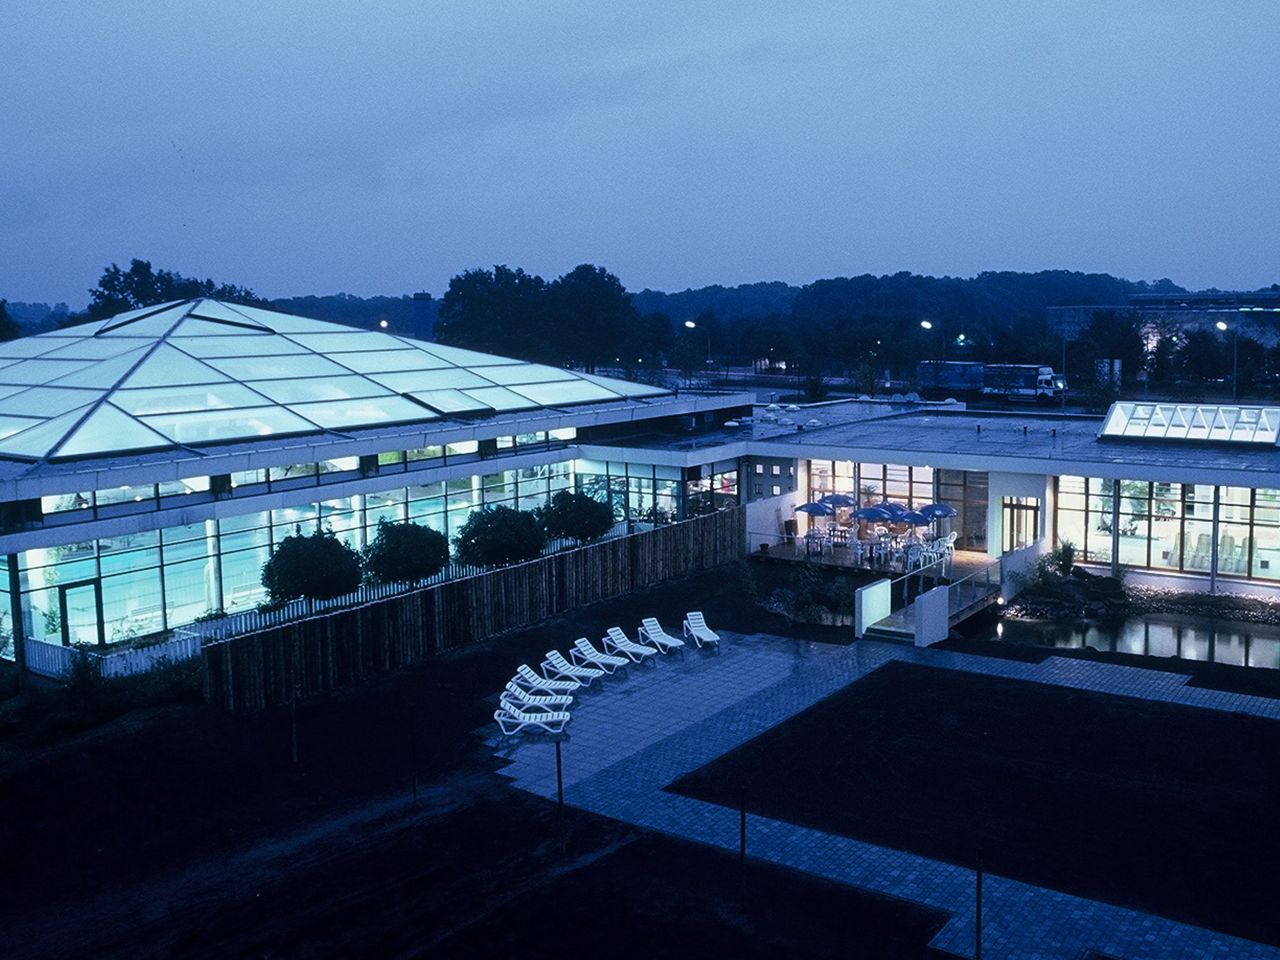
{"x":584,"y":654}
{"x":511,"y":719}
{"x":524,"y":699}
{"x":695,"y":626}
{"x":651,"y":630}
{"x":527,"y":678}
{"x":556,"y":666}
{"x":615,"y":641}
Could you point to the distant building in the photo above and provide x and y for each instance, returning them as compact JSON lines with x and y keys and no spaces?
{"x":423,"y":318}
{"x":1255,"y":315}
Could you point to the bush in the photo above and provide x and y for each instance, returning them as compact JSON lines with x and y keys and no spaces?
{"x":405,"y":553}
{"x":495,"y":536}
{"x":319,"y":567}
{"x":575,"y":516}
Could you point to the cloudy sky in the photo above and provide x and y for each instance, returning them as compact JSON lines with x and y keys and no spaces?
{"x":382,"y":147}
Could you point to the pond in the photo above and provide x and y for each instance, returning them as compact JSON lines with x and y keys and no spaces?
{"x":1155,"y":635}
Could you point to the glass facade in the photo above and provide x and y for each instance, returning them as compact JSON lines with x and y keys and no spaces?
{"x":652,"y":493}
{"x":114,"y":589}
{"x":1169,"y":526}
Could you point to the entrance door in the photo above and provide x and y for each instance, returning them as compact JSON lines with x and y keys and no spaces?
{"x":1021,"y":521}
{"x":80,"y":606}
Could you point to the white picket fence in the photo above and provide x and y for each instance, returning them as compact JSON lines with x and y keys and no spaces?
{"x":53,"y":660}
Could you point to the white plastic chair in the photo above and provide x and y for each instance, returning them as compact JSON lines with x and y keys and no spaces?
{"x":651,"y":630}
{"x":527,"y":678}
{"x":584,"y":654}
{"x":512,"y":719}
{"x":556,"y":667}
{"x":615,"y":641}
{"x":524,"y":699}
{"x":695,"y":626}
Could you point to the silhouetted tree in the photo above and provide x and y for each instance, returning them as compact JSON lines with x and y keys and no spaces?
{"x":500,"y":311}
{"x":591,"y":316}
{"x":576,"y":516}
{"x":140,"y":286}
{"x":405,"y":553}
{"x":319,"y":566}
{"x":8,"y":329}
{"x":495,"y":536}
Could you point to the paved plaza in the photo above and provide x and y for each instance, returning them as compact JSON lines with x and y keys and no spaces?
{"x":637,"y":732}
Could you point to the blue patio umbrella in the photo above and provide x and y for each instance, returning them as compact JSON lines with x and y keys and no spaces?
{"x":816,"y":509}
{"x":896,"y":510}
{"x":873,"y":513}
{"x":839,"y":500}
{"x":938,"y":511}
{"x":916,"y":518}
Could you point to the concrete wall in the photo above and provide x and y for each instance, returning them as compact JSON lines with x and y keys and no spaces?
{"x":871,"y":604}
{"x":1001,"y":485}
{"x":932,"y":611}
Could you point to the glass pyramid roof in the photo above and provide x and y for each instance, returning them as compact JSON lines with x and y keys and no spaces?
{"x":205,"y":372}
{"x":1203,"y":422}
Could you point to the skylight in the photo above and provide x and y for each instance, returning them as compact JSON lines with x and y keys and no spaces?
{"x":203,"y":372}
{"x":1195,"y":422}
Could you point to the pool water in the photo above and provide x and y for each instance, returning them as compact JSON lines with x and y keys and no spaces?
{"x":1156,"y":635}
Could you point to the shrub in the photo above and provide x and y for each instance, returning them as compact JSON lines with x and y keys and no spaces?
{"x":495,"y":536}
{"x":576,"y":516}
{"x":319,"y":567}
{"x":405,"y":553}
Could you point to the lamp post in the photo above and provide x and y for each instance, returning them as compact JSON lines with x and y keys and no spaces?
{"x":689,"y":324}
{"x":927,"y":325}
{"x":1235,"y":356}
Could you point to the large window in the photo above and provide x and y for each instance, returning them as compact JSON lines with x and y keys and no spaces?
{"x":1169,"y":526}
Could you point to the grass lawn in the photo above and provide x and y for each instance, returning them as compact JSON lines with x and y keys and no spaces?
{"x":1163,"y":808}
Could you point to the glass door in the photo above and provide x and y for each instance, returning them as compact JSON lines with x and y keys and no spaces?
{"x":1021,"y":521}
{"x":81,"y":608}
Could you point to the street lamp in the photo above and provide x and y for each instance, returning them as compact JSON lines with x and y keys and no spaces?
{"x":689,"y":324}
{"x":1235,"y":355}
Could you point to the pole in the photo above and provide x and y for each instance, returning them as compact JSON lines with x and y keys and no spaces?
{"x":1064,"y":365}
{"x":977,"y":913}
{"x":742,"y":829}
{"x":1235,"y":362}
{"x":559,"y":777}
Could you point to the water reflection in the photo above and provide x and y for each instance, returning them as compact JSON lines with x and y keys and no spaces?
{"x":1163,"y":635}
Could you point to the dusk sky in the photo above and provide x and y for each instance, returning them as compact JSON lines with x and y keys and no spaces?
{"x":384,"y":147}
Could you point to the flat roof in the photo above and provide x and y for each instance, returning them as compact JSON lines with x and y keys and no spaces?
{"x":1032,"y":442}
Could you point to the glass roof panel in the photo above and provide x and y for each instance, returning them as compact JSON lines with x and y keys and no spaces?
{"x":412,"y":381}
{"x":450,"y":401}
{"x":367,"y":412}
{"x":250,"y":345}
{"x":93,"y":348}
{"x":351,"y":342}
{"x":40,"y":371}
{"x":45,"y":402}
{"x":628,"y":388}
{"x":319,"y":388}
{"x":11,"y":425}
{"x":128,"y":315}
{"x":184,"y":398}
{"x":1226,"y":423}
{"x":103,"y":374}
{"x":458,"y":356}
{"x":229,"y":312}
{"x":284,"y":322}
{"x":108,"y":430}
{"x":150,"y":325}
{"x":168,"y":366}
{"x":214,"y":425}
{"x":525,"y":373}
{"x":30,"y":347}
{"x":274,"y":368}
{"x":37,"y":441}
{"x":195,"y":327}
{"x":574,"y":391}
{"x":10,"y":391}
{"x":500,"y":398}
{"x":388,"y":361}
